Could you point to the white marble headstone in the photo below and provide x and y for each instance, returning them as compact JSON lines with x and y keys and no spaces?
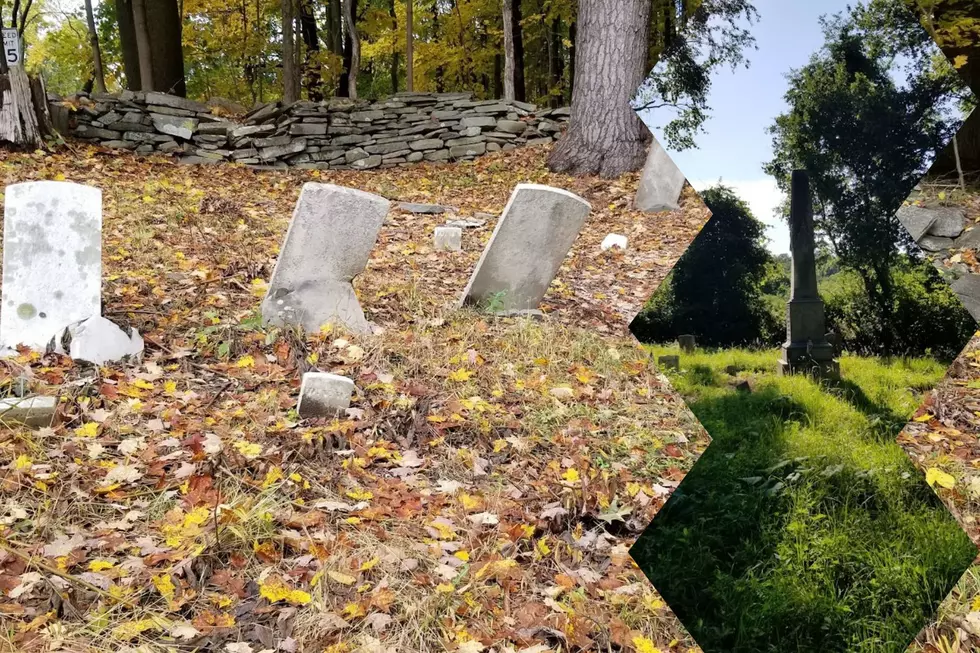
{"x":661,"y":182}
{"x":52,"y":260}
{"x":532,"y":238}
{"x":328,"y":243}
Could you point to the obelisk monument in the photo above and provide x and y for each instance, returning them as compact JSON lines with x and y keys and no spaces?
{"x":807,"y":350}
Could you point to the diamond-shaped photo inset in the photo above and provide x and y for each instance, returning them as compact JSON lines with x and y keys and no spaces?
{"x":804,"y":344}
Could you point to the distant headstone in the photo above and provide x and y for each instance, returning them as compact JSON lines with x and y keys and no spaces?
{"x":531,"y":239}
{"x":448,"y":239}
{"x":806,"y":350}
{"x":669,"y":363}
{"x":328,"y":243}
{"x":52,"y":260}
{"x":661,"y":182}
{"x":743,"y":387}
{"x":324,"y":395}
{"x":687,"y":343}
{"x":614,"y":240}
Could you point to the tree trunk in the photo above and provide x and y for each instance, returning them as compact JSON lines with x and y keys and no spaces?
{"x":164,"y":19}
{"x":409,"y":46}
{"x":21,"y":122}
{"x":336,"y":32}
{"x":508,"y":16}
{"x":354,"y":42}
{"x":290,"y":89}
{"x":520,"y":88}
{"x":93,"y":37}
{"x":572,"y":36}
{"x":395,"y":54}
{"x":128,"y":45}
{"x":311,"y":64}
{"x":143,"y":45}
{"x":556,"y":64}
{"x":605,"y":135}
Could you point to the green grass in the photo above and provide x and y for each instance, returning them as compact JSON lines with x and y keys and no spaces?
{"x":803,"y":527}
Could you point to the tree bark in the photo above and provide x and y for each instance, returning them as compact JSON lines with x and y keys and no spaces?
{"x":167,"y":54}
{"x":605,"y":136}
{"x":409,"y":46}
{"x":93,"y":37}
{"x":336,"y":31}
{"x":508,"y":16}
{"x":143,"y":45}
{"x":556,"y":63}
{"x":395,"y":54}
{"x":354,"y":43}
{"x":290,"y":89}
{"x":311,"y":65}
{"x":520,"y":88}
{"x":572,"y":37}
{"x":128,"y":45}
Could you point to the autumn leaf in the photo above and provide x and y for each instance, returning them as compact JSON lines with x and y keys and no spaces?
{"x":936,"y":476}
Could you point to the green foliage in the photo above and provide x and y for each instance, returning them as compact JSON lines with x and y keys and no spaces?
{"x":803,"y":527}
{"x":716,"y":289}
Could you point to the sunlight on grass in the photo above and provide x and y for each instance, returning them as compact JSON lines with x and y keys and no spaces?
{"x":803,"y":526}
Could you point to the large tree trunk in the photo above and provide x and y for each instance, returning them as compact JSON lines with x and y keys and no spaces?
{"x":508,"y":16}
{"x":409,"y":46}
{"x":166,"y":27}
{"x":311,"y":65}
{"x":395,"y":54}
{"x":23,"y":109}
{"x":93,"y":37}
{"x":128,"y":44}
{"x":354,"y":45}
{"x":520,"y":88}
{"x":605,"y":135}
{"x":336,"y":30}
{"x":556,"y":63}
{"x":290,"y":89}
{"x":143,"y":45}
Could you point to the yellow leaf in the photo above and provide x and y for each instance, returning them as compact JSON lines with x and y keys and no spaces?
{"x":143,"y":385}
{"x":170,"y":387}
{"x":89,"y":430}
{"x":445,"y":588}
{"x":644,"y":645}
{"x":360,"y":494}
{"x":343,"y":579}
{"x":461,"y":375}
{"x":245,"y":361}
{"x":924,"y":418}
{"x":100,"y":565}
{"x":132,"y":629}
{"x":275,"y":589}
{"x":571,"y":475}
{"x":936,"y":476}
{"x":352,"y":610}
{"x":369,"y":564}
{"x":23,"y":463}
{"x":248,"y":449}
{"x":960,"y":60}
{"x":165,"y":585}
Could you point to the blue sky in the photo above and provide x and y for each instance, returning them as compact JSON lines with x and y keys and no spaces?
{"x":744,"y":103}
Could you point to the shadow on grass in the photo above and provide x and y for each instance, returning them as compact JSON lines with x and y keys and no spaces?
{"x":764,"y":549}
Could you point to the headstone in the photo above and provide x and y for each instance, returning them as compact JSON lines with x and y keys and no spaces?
{"x":449,"y":239}
{"x":328,"y":243}
{"x":324,"y":395}
{"x":806,"y":349}
{"x":916,"y":219}
{"x":36,"y":412}
{"x":613,"y":240}
{"x":661,"y":182}
{"x":687,"y":343}
{"x":743,"y":387}
{"x":967,"y":288}
{"x":99,"y":341}
{"x":531,"y":239}
{"x":669,"y":363}
{"x":52,"y":260}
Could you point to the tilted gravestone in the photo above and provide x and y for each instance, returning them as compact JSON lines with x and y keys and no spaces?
{"x":688,"y":343}
{"x":661,"y":182}
{"x":328,"y":243}
{"x":528,"y":245}
{"x":52,"y":260}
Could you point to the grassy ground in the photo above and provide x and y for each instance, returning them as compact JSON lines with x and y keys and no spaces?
{"x":803,"y":526}
{"x":483,"y":492}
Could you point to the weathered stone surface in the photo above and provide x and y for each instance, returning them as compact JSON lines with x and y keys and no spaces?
{"x":366,"y":116}
{"x":175,"y":126}
{"x":34,"y":412}
{"x":935,"y":243}
{"x":307,"y":129}
{"x":277,"y":151}
{"x":324,"y":395}
{"x":967,"y":288}
{"x":511,"y":126}
{"x":438,"y":155}
{"x":661,"y":182}
{"x":448,"y":239}
{"x":367,"y":163}
{"x":328,"y":243}
{"x":949,"y":222}
{"x":429,"y":209}
{"x":916,"y":219}
{"x":52,"y":260}
{"x":427,"y":144}
{"x":176,"y":102}
{"x":527,"y":247}
{"x":478,"y":121}
{"x":461,"y":151}
{"x":99,"y":341}
{"x":669,"y":363}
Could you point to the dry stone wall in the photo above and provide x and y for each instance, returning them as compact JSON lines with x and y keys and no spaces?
{"x":337,"y":133}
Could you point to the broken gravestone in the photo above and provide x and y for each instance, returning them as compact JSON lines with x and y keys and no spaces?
{"x":526,"y":249}
{"x":328,"y":243}
{"x":614,"y":240}
{"x":324,"y":395}
{"x":448,"y":239}
{"x":669,"y":363}
{"x":98,"y":341}
{"x":661,"y":182}
{"x":52,"y":260}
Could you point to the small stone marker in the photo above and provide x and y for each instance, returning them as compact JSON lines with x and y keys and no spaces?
{"x":669,"y":363}
{"x":449,"y":239}
{"x":687,"y":343}
{"x":99,"y":341}
{"x":36,"y":412}
{"x":52,"y":260}
{"x":528,"y":245}
{"x":324,"y":395}
{"x":614,"y":240}
{"x":661,"y":182}
{"x":328,"y":243}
